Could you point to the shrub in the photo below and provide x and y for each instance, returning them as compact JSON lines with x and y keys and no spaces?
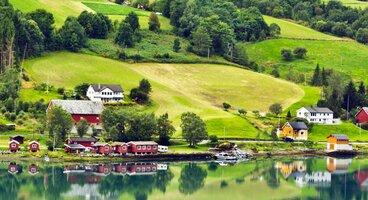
{"x":213,"y":138}
{"x":122,"y":55}
{"x":300,"y":52}
{"x":226,"y":105}
{"x":60,"y":90}
{"x":241,"y":111}
{"x":286,"y":54}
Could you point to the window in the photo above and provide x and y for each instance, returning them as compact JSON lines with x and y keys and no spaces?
{"x":301,"y":133}
{"x":143,"y":147}
{"x":138,"y":169}
{"x":13,"y":145}
{"x":148,"y":147}
{"x":148,"y":169}
{"x":153,"y":169}
{"x":34,"y":145}
{"x":107,"y":148}
{"x":124,"y":147}
{"x":138,"y":147}
{"x":300,"y":113}
{"x":154,"y":147}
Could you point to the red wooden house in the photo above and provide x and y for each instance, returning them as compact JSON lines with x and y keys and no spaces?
{"x":80,"y":109}
{"x":34,"y":146}
{"x":86,"y":142}
{"x":33,"y":169}
{"x":142,"y":147}
{"x":13,"y":168}
{"x":119,"y":147}
{"x":13,"y":146}
{"x":17,"y":138}
{"x":362,"y":115}
{"x":102,"y":148}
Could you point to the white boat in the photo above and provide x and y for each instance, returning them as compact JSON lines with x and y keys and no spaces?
{"x":46,"y":158}
{"x":225,"y":156}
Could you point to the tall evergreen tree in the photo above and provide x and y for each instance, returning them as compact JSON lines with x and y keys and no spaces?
{"x":324,"y":77}
{"x":73,"y":35}
{"x":124,"y":35}
{"x":361,"y":88}
{"x":154,"y":23}
{"x":133,"y":20}
{"x":202,"y":41}
{"x":316,"y":80}
{"x":351,"y":98}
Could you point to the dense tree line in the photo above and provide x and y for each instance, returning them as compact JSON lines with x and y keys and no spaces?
{"x":215,"y":25}
{"x":331,"y":17}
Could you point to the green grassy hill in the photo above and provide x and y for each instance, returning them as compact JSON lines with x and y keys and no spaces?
{"x":352,"y":3}
{"x":290,"y":29}
{"x":346,"y":57}
{"x":177,"y":88}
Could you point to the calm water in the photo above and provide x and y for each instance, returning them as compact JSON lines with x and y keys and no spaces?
{"x":277,"y":178}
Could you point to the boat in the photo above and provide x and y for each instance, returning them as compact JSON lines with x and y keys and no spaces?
{"x":242,"y":154}
{"x":225,"y":156}
{"x":47,"y":158}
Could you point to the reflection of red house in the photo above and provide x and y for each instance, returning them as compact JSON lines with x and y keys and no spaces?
{"x":102,"y":148}
{"x":86,"y":142}
{"x":34,"y":146}
{"x":120,"y":168}
{"x":33,"y":169}
{"x":362,"y":178}
{"x":142,"y":168}
{"x":142,"y":147}
{"x":104,"y":169}
{"x":14,"y":146}
{"x":13,"y":168}
{"x":362,"y":115}
{"x":119,"y":147}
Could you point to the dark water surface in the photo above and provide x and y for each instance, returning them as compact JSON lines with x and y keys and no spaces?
{"x":276,"y":178}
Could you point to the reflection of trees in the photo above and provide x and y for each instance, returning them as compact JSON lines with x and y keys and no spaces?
{"x":191,"y":178}
{"x":9,"y":186}
{"x":271,"y":177}
{"x":57,"y":183}
{"x":162,"y":179}
{"x":343,"y":186}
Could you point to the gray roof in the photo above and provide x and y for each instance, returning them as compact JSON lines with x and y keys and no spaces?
{"x":319,"y":110}
{"x":100,"y":144}
{"x":80,"y":107}
{"x":298,"y":125}
{"x":142,"y":142}
{"x":113,"y":87}
{"x":75,"y":146}
{"x":339,"y":136}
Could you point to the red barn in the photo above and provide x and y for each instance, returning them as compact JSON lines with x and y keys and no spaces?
{"x":86,"y":142}
{"x":33,"y":169}
{"x":142,"y":147}
{"x":80,"y":109}
{"x":14,"y":146}
{"x":362,"y":115}
{"x":34,"y":146}
{"x":13,"y":168}
{"x":102,"y":148}
{"x":119,"y":147}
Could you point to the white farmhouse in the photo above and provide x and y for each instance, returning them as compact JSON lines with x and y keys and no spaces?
{"x":105,"y":93}
{"x":316,"y":115}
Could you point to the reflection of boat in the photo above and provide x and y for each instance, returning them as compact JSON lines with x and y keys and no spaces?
{"x":47,"y":158}
{"x":225,"y":156}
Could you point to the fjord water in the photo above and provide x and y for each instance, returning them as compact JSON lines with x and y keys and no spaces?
{"x":273,"y":178}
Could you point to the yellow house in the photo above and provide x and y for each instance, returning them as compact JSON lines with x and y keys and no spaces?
{"x":294,"y":130}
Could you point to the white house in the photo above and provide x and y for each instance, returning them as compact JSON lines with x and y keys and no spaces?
{"x":105,"y":93}
{"x":316,"y":115}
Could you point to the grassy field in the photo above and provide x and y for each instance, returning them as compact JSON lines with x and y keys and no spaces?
{"x":118,"y":12}
{"x":352,"y":3}
{"x":177,"y":88}
{"x":290,"y":29}
{"x":61,"y":9}
{"x":346,"y":57}
{"x":311,"y":97}
{"x":320,"y":132}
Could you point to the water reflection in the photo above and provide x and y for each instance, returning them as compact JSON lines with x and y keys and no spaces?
{"x":277,"y":178}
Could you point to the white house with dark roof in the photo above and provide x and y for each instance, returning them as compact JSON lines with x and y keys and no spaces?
{"x":316,"y":115}
{"x":105,"y":93}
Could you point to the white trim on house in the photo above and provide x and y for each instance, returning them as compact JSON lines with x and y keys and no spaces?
{"x":105,"y":94}
{"x":317,"y":117}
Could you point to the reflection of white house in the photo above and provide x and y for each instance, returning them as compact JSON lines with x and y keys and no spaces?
{"x":105,"y":93}
{"x":316,"y":115}
{"x":315,"y":178}
{"x":87,"y":191}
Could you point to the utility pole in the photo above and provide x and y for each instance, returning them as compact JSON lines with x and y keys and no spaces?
{"x":208,"y":53}
{"x":347,"y":109}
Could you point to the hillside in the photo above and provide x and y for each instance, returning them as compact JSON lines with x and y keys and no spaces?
{"x":352,"y":3}
{"x":290,"y":29}
{"x":343,"y":56}
{"x":177,"y":88}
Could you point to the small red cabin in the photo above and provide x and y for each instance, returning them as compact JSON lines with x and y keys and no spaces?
{"x":13,"y":146}
{"x":13,"y":168}
{"x":74,"y":148}
{"x":18,"y":138}
{"x":119,"y":147}
{"x":34,"y":146}
{"x":102,"y":148}
{"x":362,"y":115}
{"x":142,"y":147}
{"x":33,"y":169}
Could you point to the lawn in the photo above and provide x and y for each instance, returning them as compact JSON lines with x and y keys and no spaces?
{"x":320,"y":132}
{"x":352,"y":3}
{"x":61,"y":9}
{"x":311,"y":97}
{"x":118,"y":12}
{"x":177,"y":88}
{"x":291,"y":29}
{"x":32,"y":95}
{"x":344,"y":56}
